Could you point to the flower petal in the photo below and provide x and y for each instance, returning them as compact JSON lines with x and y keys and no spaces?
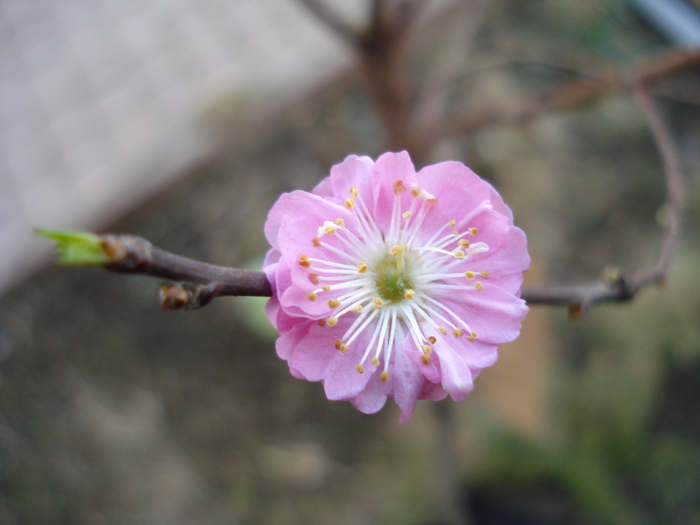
{"x":456,"y":374}
{"x":355,"y":172}
{"x":372,"y":398}
{"x":390,"y":168}
{"x":408,"y":381}
{"x":495,"y":315}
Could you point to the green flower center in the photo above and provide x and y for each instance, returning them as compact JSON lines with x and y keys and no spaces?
{"x":393,"y":277}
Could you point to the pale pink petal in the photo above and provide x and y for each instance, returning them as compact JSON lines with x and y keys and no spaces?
{"x":288,"y":341}
{"x":354,"y":172}
{"x":433,"y":392}
{"x":313,"y":352}
{"x":493,"y":314}
{"x":408,"y":382}
{"x":452,"y":180}
{"x":430,"y":371}
{"x":507,"y":263}
{"x":390,"y":168}
{"x":456,"y":374}
{"x":306,"y":211}
{"x":372,"y":398}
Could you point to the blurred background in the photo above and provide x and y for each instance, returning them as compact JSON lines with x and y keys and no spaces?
{"x":183,"y":122}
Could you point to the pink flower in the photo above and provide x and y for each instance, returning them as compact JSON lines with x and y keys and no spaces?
{"x":392,"y":283}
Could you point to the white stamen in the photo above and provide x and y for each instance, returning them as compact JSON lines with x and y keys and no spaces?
{"x":391,"y":283}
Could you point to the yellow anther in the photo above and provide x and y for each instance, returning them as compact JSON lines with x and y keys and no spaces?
{"x":354,"y":191}
{"x":304,"y":261}
{"x":339,"y":222}
{"x":311,"y":296}
{"x":343,"y":348}
{"x":316,"y":242}
{"x":313,"y":277}
{"x":357,"y":309}
{"x":362,"y":267}
{"x":409,"y":294}
{"x":485,"y":274}
{"x":326,"y":288}
{"x":426,"y":349}
{"x":329,"y":228}
{"x":399,"y":187}
{"x":359,"y":368}
{"x":442,"y":330}
{"x":469,"y":275}
{"x":384,"y":376}
{"x":406,"y":214}
{"x":459,"y":254}
{"x":478,"y":286}
{"x":474,"y":231}
{"x":472,"y":337}
{"x":458,"y":332}
{"x":322,"y":322}
{"x":464,"y":243}
{"x":397,"y":250}
{"x":432,"y":340}
{"x":338,"y":344}
{"x":426,"y":359}
{"x":332,"y":321}
{"x":375,"y":361}
{"x":433,"y":200}
{"x":333,"y":303}
{"x":415,"y":191}
{"x":377,"y":303}
{"x":349,"y":204}
{"x":452,"y":223}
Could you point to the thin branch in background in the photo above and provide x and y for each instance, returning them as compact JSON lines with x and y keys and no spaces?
{"x":563,"y":96}
{"x":381,"y":48}
{"x":675,"y":188}
{"x":440,"y":87}
{"x":615,"y":286}
{"x":458,"y":32}
{"x":332,"y":20}
{"x":382,"y":53}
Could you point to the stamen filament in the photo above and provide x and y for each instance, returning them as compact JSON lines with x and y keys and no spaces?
{"x":449,"y":312}
{"x":382,"y":319}
{"x":372,"y":314}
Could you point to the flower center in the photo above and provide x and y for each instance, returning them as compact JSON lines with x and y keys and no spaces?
{"x":393,"y":278}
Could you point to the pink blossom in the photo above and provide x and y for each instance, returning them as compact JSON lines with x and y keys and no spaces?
{"x":392,"y":283}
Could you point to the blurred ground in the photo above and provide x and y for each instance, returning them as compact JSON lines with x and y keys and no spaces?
{"x":114,"y":412}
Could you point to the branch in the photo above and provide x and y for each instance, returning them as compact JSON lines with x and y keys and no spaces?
{"x":675,"y":189}
{"x":382,"y":51}
{"x":381,"y":48}
{"x":332,"y":20}
{"x":201,"y":281}
{"x":616,"y":287}
{"x":566,"y":95}
{"x":579,"y":298}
